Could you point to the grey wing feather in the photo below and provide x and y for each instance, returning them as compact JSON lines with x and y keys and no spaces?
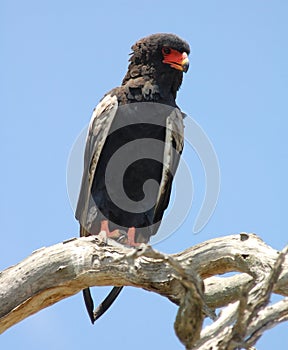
{"x":100,"y":124}
{"x":174,"y":142}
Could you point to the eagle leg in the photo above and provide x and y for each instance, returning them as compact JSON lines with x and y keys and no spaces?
{"x":131,"y":237}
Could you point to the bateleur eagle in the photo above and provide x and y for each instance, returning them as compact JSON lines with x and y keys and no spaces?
{"x":138,"y":128}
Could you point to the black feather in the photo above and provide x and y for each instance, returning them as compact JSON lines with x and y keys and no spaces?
{"x":89,"y":303}
{"x":107,"y":302}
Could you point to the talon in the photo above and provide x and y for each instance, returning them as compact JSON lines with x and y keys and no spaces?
{"x":103,"y":236}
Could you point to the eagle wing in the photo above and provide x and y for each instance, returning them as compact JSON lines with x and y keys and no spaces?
{"x":100,"y":124}
{"x":174,"y":142}
{"x":86,"y":211}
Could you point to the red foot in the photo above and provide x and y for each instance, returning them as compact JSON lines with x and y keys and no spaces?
{"x":130,"y":241}
{"x":105,"y":228}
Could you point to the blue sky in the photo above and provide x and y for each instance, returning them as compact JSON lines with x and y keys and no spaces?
{"x":58,"y":59}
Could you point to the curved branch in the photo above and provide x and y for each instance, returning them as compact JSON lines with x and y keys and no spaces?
{"x":53,"y":273}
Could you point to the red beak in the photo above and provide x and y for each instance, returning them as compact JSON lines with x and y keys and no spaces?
{"x":177,"y":60}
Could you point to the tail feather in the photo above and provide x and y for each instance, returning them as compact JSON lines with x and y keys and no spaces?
{"x":103,"y":307}
{"x":89,"y":303}
{"x":107,"y":302}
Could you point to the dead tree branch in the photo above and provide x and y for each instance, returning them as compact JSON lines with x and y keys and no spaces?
{"x":53,"y":273}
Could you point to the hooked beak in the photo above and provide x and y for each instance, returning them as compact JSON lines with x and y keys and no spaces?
{"x":177,"y":60}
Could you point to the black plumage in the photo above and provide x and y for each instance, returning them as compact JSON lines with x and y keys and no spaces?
{"x":120,"y":196}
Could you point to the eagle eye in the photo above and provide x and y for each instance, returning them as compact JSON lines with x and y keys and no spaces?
{"x":166,"y":50}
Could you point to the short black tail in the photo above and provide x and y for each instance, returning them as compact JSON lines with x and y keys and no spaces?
{"x":103,"y":307}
